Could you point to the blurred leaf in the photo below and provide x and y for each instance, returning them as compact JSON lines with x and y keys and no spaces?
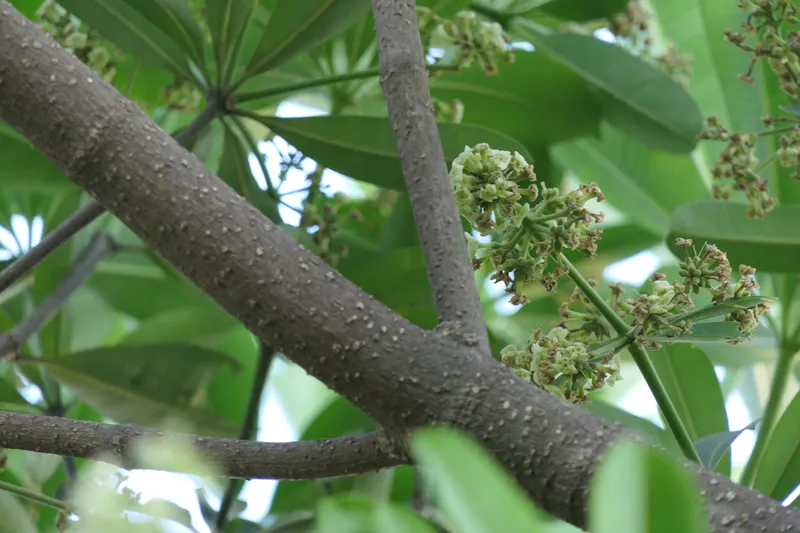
{"x":364,"y":148}
{"x":400,"y":230}
{"x":645,"y":184}
{"x":295,"y":27}
{"x":15,"y":517}
{"x":582,"y":10}
{"x":176,"y":19}
{"x":711,"y":448}
{"x":126,"y":27}
{"x":355,"y":513}
{"x":779,"y":469}
{"x":645,"y":428}
{"x":25,"y":168}
{"x":201,"y":326}
{"x":229,"y":390}
{"x":716,"y":309}
{"x":692,"y":385}
{"x":635,"y":97}
{"x":760,"y":348}
{"x":518,"y":103}
{"x":145,"y":384}
{"x":227,"y":20}
{"x":9,"y":394}
{"x":474,"y":491}
{"x":660,"y":495}
{"x":768,"y":244}
{"x":143,"y":292}
{"x":234,"y":169}
{"x":27,"y":7}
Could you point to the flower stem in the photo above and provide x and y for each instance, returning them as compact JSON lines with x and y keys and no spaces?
{"x":788,"y":349}
{"x":33,"y":496}
{"x":642,"y":360}
{"x":320,"y":82}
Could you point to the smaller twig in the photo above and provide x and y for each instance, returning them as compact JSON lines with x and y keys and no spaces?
{"x":116,"y":444}
{"x":251,"y":144}
{"x":79,"y":220}
{"x":33,"y":496}
{"x":95,"y":252}
{"x":249,"y":427}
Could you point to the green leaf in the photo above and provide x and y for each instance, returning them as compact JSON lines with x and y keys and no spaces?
{"x":779,"y":468}
{"x":129,"y":29}
{"x":201,"y":326}
{"x":145,"y":384}
{"x":25,"y":168}
{"x":518,"y":102}
{"x":659,"y":495}
{"x":770,"y":244}
{"x":474,"y":491}
{"x":645,"y":428}
{"x":9,"y":394}
{"x":582,"y":10}
{"x":364,"y":148}
{"x":234,"y":169}
{"x":711,"y":448}
{"x":716,"y":309}
{"x":356,"y":513}
{"x":227,"y":20}
{"x":176,"y":19}
{"x":635,"y":97}
{"x":644,"y":184}
{"x":15,"y":517}
{"x":295,"y":27}
{"x":692,"y":385}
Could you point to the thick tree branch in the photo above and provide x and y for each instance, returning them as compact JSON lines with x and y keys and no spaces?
{"x":400,"y":375}
{"x":95,"y":252}
{"x":404,"y":80}
{"x":115,"y":444}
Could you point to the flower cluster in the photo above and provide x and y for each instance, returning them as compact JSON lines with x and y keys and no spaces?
{"x":67,"y":31}
{"x":470,"y":39}
{"x":530,"y":225}
{"x":763,"y":22}
{"x":738,"y":163}
{"x":562,"y":366}
{"x":182,"y":95}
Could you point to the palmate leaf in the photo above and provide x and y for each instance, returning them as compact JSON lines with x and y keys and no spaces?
{"x":129,"y":29}
{"x":176,"y":19}
{"x":296,"y":27}
{"x":227,"y":20}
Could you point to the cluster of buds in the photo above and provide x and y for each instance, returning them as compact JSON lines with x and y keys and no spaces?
{"x":710,"y":269}
{"x":324,"y":217}
{"x":739,"y":164}
{"x":452,"y":112}
{"x":763,"y":22}
{"x":68,"y":31}
{"x":487,"y":185}
{"x":182,"y":95}
{"x":562,"y":366}
{"x":472,"y":40}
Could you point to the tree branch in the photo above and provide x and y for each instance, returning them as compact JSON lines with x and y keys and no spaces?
{"x":115,"y":444}
{"x":81,"y":218}
{"x":404,"y":80}
{"x":95,"y":252}
{"x":400,"y":375}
